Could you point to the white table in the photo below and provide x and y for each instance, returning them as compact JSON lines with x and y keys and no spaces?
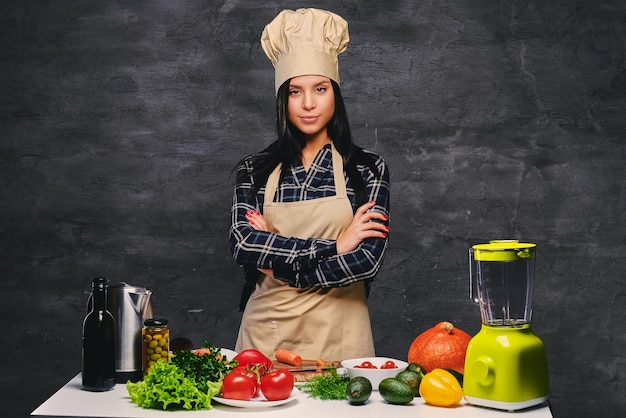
{"x":72,"y":401}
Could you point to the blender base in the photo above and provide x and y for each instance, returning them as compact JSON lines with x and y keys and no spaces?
{"x":506,"y":368}
{"x":505,"y":406}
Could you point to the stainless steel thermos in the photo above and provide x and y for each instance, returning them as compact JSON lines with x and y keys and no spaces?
{"x":130,"y":306}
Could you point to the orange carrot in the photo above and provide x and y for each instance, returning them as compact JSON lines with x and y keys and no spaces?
{"x":288,"y":357}
{"x":320,"y":364}
{"x":201,"y":351}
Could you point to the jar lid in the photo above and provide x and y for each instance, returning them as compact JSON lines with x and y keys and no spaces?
{"x":155,"y":322}
{"x":504,"y":250}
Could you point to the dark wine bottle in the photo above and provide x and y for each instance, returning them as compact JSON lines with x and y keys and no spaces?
{"x":98,"y":365}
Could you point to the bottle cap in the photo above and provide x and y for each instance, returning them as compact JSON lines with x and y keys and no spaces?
{"x":152,"y":322}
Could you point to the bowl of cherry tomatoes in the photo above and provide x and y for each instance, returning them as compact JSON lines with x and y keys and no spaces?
{"x":375,"y":369}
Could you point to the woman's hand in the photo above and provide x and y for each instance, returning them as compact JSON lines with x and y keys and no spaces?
{"x":362,"y":227}
{"x":257,"y":221}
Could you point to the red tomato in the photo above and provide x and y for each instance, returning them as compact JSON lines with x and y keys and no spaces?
{"x":389,"y":365}
{"x":251,"y":372}
{"x":238,"y":386}
{"x":277,"y":384}
{"x":251,"y":357}
{"x":365,"y":365}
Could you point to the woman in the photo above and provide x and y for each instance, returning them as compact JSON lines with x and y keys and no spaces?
{"x":310,"y":212}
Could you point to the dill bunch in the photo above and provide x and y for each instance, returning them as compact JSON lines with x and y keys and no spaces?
{"x":328,"y":386}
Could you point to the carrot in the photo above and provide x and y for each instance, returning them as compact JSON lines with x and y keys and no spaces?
{"x":288,"y":357}
{"x":320,"y":364}
{"x":201,"y":351}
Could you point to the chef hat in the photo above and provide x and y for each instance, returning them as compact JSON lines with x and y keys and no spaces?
{"x":305,"y":42}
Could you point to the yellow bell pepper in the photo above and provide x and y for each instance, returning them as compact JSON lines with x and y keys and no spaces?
{"x":439,"y":387}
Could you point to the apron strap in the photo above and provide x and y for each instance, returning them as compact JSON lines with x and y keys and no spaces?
{"x":340,"y":181}
{"x":272,"y":184}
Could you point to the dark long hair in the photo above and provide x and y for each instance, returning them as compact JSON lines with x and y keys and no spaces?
{"x":287,"y":149}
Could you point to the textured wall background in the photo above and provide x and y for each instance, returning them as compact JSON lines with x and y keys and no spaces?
{"x":120,"y":122}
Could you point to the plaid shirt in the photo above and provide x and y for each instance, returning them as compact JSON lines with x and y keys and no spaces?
{"x":314,"y":261}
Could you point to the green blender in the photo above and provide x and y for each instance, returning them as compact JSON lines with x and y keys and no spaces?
{"x":506,"y":366}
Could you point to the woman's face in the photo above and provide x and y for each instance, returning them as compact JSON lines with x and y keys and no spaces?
{"x":311,"y":104}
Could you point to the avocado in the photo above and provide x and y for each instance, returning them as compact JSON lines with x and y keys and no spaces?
{"x":394,"y":391}
{"x":411,"y":378}
{"x":358,"y":390}
{"x":416,"y":367}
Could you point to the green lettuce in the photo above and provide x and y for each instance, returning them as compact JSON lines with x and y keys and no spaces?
{"x":167,"y":387}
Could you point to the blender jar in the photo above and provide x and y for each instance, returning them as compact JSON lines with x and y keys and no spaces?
{"x":501,"y":281}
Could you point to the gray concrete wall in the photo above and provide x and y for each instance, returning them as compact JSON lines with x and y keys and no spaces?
{"x":120,"y":122}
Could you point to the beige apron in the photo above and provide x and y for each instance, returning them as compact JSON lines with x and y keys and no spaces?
{"x":333,"y":323}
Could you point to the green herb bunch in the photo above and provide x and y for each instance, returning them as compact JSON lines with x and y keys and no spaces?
{"x":329,"y":386}
{"x":210,"y":366}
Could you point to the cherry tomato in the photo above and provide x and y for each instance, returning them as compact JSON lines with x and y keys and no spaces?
{"x":365,"y":365}
{"x":277,"y":385}
{"x":237,"y":385}
{"x":389,"y":365}
{"x":251,"y":356}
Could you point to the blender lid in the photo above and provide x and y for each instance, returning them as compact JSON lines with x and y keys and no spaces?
{"x":504,"y":250}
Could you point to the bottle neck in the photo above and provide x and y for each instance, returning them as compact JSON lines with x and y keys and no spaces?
{"x":99,"y":294}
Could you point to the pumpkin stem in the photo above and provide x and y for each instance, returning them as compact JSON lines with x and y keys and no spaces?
{"x":448,"y":327}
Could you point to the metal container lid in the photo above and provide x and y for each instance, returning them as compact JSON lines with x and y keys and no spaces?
{"x":129,"y":287}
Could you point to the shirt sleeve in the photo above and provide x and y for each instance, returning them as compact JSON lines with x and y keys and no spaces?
{"x":362,"y":263}
{"x":306,"y":262}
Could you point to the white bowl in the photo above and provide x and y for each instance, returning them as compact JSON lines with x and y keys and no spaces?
{"x":375,"y":376}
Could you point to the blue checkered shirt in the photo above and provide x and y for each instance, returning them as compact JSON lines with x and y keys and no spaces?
{"x":314,"y":261}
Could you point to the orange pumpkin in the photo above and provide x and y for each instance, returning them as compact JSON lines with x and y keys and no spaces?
{"x":440,"y":347}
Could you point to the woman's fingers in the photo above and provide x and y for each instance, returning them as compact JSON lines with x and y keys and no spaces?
{"x":364,"y":225}
{"x":364,"y":208}
{"x":256,"y":220}
{"x":370,"y":228}
{"x":364,"y":214}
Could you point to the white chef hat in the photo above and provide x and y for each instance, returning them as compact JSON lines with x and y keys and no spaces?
{"x":305,"y":42}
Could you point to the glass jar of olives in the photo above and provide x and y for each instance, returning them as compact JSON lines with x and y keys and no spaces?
{"x":155,"y":337}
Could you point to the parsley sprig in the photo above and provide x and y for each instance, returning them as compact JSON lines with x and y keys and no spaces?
{"x":211,"y":366}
